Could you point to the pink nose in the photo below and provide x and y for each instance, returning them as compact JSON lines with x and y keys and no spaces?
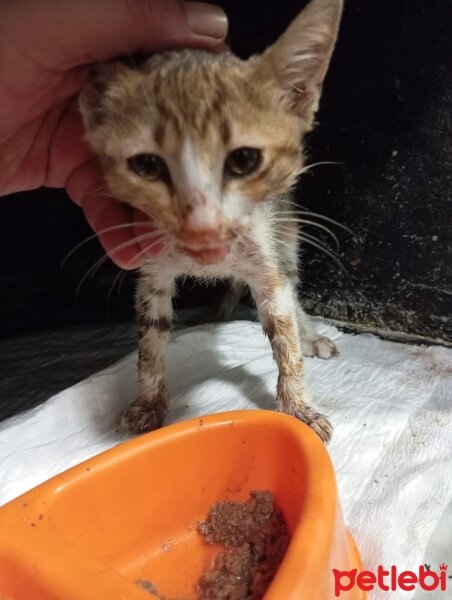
{"x":202,"y":219}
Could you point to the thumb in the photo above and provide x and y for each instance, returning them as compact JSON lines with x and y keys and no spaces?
{"x":66,"y":34}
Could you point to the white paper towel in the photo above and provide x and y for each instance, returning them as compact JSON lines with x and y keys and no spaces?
{"x":390,"y":403}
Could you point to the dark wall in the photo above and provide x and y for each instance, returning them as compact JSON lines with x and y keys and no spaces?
{"x":37,"y":231}
{"x":385,"y":118}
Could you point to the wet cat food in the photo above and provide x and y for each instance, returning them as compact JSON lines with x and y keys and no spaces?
{"x":255,"y":538}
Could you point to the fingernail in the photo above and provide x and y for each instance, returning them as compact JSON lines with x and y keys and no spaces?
{"x":207,"y":19}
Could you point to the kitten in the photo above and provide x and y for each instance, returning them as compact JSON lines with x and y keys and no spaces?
{"x":208,"y":145}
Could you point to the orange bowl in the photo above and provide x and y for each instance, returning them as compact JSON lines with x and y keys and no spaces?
{"x":130,"y":513}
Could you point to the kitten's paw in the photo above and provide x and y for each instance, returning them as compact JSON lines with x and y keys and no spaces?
{"x":318,"y":345}
{"x":142,"y":416}
{"x":317,"y":422}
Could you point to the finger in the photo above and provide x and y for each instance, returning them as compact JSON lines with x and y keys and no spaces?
{"x":65,"y":34}
{"x":128,"y":247}
{"x":86,"y":188}
{"x":69,"y":149}
{"x":151,"y":246}
{"x":105,"y":213}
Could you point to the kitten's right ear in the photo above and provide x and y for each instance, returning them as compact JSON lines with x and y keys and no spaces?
{"x":299,"y":59}
{"x":92,"y":97}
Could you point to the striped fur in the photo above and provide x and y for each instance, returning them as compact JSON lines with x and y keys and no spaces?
{"x":192,"y":108}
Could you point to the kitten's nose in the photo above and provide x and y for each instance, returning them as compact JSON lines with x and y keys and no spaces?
{"x":202,"y":220}
{"x":202,"y":232}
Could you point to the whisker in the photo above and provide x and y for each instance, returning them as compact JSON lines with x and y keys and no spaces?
{"x":323,"y":249}
{"x":316,"y":240}
{"x":99,"y":190}
{"x":112,"y":287}
{"x":311,"y":240}
{"x":305,"y":235}
{"x":93,"y":269}
{"x":323,"y":162}
{"x":121,"y":281}
{"x":90,"y":272}
{"x":306,"y":222}
{"x":146,"y":249}
{"x":122,"y":274}
{"x":106,"y":230}
{"x":310,"y":213}
{"x":135,"y":240}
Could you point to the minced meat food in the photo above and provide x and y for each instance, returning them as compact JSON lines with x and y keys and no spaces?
{"x":255,"y":537}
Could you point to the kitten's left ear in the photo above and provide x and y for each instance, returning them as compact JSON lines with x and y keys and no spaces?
{"x":300,"y":57}
{"x":97,"y":91}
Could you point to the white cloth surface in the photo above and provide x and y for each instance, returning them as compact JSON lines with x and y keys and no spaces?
{"x":390,"y":404}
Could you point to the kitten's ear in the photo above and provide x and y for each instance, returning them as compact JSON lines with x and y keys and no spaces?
{"x":93,"y":95}
{"x":300,"y":57}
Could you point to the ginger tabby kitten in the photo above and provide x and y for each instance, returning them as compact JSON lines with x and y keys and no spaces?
{"x":209,"y":147}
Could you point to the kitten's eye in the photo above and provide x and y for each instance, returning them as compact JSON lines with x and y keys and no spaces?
{"x":149,"y":166}
{"x":242,"y":161}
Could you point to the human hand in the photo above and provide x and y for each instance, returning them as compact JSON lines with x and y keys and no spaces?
{"x":46,"y":52}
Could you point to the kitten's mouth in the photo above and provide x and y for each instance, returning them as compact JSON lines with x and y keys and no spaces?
{"x":207,"y":256}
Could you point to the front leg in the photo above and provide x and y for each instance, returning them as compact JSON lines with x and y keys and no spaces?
{"x":155,"y":314}
{"x":277,"y":307}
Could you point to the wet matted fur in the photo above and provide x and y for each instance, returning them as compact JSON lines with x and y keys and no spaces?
{"x":210,"y":146}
